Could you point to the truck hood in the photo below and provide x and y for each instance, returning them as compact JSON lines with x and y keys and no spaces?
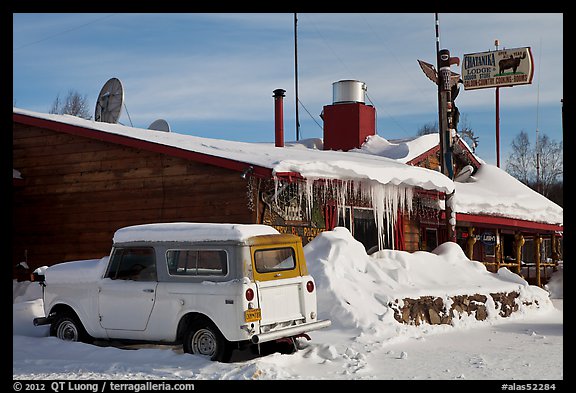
{"x":88,"y":270}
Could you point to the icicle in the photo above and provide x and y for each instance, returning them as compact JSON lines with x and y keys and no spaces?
{"x":309,"y":197}
{"x":276,"y":180}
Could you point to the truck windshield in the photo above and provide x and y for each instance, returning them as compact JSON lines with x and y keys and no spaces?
{"x":274,"y":259}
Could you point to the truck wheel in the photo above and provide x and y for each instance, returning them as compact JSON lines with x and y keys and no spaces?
{"x":68,"y":327}
{"x":203,"y":338}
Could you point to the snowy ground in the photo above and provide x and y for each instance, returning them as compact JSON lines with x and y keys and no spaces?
{"x":364,"y":341}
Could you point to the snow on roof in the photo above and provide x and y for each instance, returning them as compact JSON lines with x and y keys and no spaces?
{"x":401,"y":150}
{"x":310,"y":163}
{"x":191,"y":231}
{"x":491,"y":191}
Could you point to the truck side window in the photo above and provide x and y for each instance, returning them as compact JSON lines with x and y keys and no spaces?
{"x":136,"y":264}
{"x":197,"y":262}
{"x":275,"y":259}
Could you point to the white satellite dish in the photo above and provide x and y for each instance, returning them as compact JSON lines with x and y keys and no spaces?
{"x":464,"y":174}
{"x":109,"y":103}
{"x":159,"y":125}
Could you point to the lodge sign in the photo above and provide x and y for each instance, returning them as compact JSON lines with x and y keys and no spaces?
{"x":506,"y":67}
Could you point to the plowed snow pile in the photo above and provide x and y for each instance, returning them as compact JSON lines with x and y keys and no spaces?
{"x":354,"y":288}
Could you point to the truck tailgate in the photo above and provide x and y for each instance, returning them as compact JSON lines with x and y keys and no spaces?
{"x":280,"y":300}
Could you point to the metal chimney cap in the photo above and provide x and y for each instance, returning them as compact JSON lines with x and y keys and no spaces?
{"x":279,"y":93}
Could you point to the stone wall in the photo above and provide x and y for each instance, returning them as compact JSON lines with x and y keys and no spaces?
{"x":433,"y":311}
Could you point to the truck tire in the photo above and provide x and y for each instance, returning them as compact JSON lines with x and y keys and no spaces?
{"x":68,"y":327}
{"x":203,"y":338}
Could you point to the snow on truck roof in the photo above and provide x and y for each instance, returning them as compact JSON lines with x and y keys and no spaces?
{"x":191,"y":231}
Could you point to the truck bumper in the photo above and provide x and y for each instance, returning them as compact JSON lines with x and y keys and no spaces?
{"x":42,"y":321}
{"x":289,"y":331}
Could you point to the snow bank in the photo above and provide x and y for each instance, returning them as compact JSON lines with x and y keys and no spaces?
{"x":354,"y":289}
{"x":556,"y":284}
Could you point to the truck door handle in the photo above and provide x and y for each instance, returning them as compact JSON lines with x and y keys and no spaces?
{"x":148,"y":290}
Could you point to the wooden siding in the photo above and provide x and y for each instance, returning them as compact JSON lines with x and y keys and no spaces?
{"x":411,"y":234}
{"x":77,"y":191}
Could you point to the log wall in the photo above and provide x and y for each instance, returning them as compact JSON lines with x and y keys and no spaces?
{"x":77,"y":191}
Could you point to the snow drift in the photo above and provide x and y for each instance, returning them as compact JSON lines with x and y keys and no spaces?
{"x":355,"y":289}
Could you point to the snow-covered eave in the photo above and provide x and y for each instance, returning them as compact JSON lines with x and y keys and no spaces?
{"x":265,"y":161}
{"x":100,"y":132}
{"x":518,"y":223}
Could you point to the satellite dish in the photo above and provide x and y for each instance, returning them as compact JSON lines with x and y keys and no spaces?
{"x":159,"y":125}
{"x":464,"y":174}
{"x":109,"y":103}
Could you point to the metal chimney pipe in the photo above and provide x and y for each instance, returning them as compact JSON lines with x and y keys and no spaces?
{"x":279,"y":116}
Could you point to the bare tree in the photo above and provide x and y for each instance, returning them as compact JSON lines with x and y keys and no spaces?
{"x":519,"y":163}
{"x":540,"y":168}
{"x":428,"y":128}
{"x":551,"y":165}
{"x":467,"y":133}
{"x":75,"y":105}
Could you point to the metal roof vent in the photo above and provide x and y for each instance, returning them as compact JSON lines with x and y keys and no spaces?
{"x":346,"y":91}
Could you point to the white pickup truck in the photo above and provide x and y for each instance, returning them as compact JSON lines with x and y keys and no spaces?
{"x":210,"y":287}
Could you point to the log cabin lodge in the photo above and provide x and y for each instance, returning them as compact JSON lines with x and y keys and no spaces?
{"x":76,"y":181}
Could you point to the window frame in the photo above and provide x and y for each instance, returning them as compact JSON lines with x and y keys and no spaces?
{"x":225,"y":271}
{"x":275,"y":270}
{"x":116,"y":267}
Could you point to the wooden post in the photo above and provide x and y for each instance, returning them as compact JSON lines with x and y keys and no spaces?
{"x":519,"y":242}
{"x":537,"y":242}
{"x":470,"y":243}
{"x":555,"y":253}
{"x":497,"y":255}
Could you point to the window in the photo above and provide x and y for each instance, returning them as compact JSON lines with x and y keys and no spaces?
{"x":274,"y":260}
{"x":361,"y":224}
{"x":431,"y":238}
{"x":197,"y":262}
{"x":138,"y":264}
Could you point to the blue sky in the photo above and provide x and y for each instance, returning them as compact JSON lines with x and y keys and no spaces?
{"x":212,"y":75}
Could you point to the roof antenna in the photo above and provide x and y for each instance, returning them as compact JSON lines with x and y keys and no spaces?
{"x":296,"y":76}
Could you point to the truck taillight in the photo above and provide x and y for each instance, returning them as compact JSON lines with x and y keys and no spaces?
{"x":310,"y":286}
{"x":249,"y":294}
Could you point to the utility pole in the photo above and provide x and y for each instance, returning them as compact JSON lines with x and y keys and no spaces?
{"x":296,"y":75}
{"x":496,"y":44}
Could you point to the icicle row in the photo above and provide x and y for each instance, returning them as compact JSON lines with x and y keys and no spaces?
{"x":386,"y":200}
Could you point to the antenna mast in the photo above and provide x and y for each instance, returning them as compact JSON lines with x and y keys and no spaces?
{"x":538,"y":186}
{"x":296,"y":75}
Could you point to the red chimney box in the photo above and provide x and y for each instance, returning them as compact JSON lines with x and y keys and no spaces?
{"x":347,"y":125}
{"x":348,"y":121}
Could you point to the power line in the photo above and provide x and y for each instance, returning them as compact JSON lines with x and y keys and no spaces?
{"x":318,"y":124}
{"x":62,"y":32}
{"x":352,"y":74}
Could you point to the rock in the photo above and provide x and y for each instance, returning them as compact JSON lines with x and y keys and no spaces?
{"x":434,"y":317}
